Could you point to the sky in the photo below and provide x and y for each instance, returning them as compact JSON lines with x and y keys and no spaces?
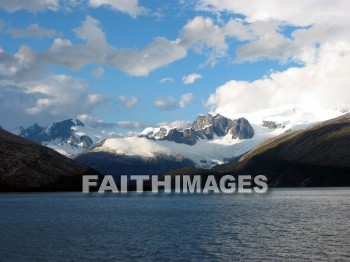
{"x":123,"y":65}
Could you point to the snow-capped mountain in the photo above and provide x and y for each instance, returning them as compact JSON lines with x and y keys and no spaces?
{"x":204,"y":127}
{"x":208,"y":141}
{"x":67,"y":137}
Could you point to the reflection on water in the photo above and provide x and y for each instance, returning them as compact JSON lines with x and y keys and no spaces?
{"x":311,"y":224}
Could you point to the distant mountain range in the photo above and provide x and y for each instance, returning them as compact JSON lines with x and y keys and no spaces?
{"x":208,"y":141}
{"x":314,"y":156}
{"x":67,"y":137}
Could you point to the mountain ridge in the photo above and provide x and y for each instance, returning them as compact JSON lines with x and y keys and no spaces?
{"x":203,"y":127}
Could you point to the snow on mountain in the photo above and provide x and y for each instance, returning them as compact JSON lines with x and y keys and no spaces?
{"x":288,"y":116}
{"x":67,"y":137}
{"x":213,"y":139}
{"x":207,"y":141}
{"x":204,"y":127}
{"x":205,"y":153}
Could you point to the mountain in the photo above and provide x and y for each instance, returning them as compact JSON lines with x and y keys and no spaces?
{"x":28,"y":166}
{"x":204,"y":127}
{"x":68,"y":137}
{"x":206,"y":142}
{"x":315,"y":156}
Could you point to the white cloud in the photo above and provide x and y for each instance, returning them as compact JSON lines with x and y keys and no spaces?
{"x":98,"y":72}
{"x":186,"y":99}
{"x":201,"y":31}
{"x":72,"y":92}
{"x":297,"y":12}
{"x":191,"y":78}
{"x":204,"y":36}
{"x":32,"y":6}
{"x":21,"y":65}
{"x":159,"y":53}
{"x":259,"y":36}
{"x":33,"y":31}
{"x":55,"y":97}
{"x":130,"y":7}
{"x":166,"y":104}
{"x":166,"y":80}
{"x":95,"y":49}
{"x":128,"y":101}
{"x":269,"y":44}
{"x":321,"y":85}
{"x":321,"y":21}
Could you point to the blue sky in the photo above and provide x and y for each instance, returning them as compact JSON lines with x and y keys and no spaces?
{"x":63,"y":59}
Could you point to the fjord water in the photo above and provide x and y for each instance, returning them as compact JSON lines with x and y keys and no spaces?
{"x":311,"y":224}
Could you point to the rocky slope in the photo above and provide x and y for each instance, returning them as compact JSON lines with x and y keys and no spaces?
{"x":316,"y":156}
{"x":27,"y":166}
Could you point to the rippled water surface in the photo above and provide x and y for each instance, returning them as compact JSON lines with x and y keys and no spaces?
{"x":309,"y":224}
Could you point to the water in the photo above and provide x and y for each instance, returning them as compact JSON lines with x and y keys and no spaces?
{"x":285,"y":224}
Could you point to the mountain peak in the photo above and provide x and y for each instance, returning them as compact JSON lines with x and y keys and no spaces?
{"x":203,"y":127}
{"x":59,"y":133}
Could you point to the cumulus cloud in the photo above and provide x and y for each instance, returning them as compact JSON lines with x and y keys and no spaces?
{"x":98,"y":72}
{"x":202,"y":31}
{"x":166,"y":80}
{"x":137,"y":62}
{"x":321,"y":85}
{"x":21,"y":65}
{"x":33,"y":31}
{"x":55,"y":97}
{"x":130,"y":7}
{"x":96,"y":49}
{"x":204,"y":36}
{"x":311,"y":22}
{"x":160,"y":52}
{"x":186,"y":99}
{"x":298,"y":12}
{"x":191,"y":78}
{"x":128,"y":101}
